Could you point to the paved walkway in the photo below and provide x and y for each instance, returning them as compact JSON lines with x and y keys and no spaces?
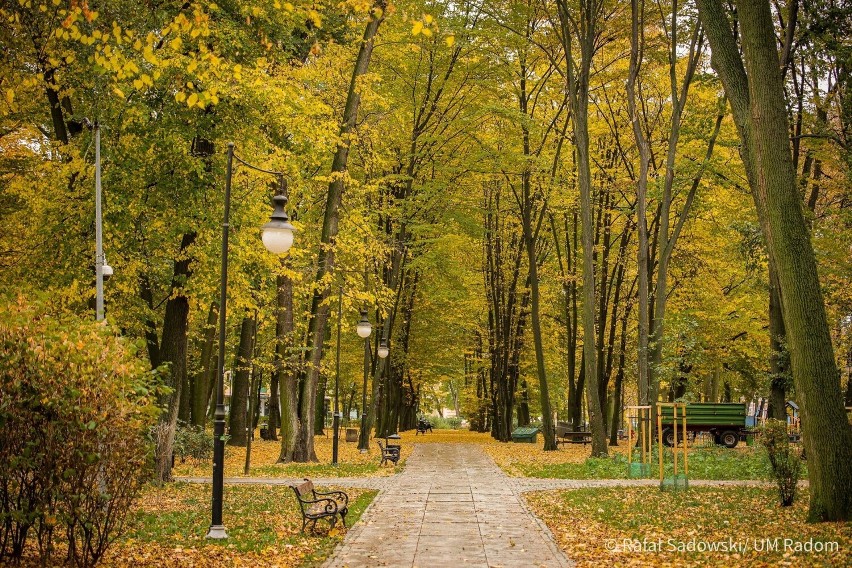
{"x":452,"y":506}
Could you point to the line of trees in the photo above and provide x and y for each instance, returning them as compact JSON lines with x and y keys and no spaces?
{"x":549,"y":209}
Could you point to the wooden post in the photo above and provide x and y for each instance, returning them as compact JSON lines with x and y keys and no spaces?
{"x":660,"y":438}
{"x":674,"y":433}
{"x":629,"y":443}
{"x":685,"y":449}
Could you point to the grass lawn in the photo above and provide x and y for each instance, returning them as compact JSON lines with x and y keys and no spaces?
{"x":168,"y":525}
{"x":264,"y":455}
{"x":705,"y":462}
{"x":645,"y":527}
{"x":573,"y":461}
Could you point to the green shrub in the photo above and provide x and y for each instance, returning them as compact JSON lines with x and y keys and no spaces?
{"x":193,"y":442}
{"x":439,"y":423}
{"x":74,"y":409}
{"x":785,"y":459}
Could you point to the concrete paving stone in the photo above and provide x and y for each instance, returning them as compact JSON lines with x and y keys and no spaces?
{"x":467,"y":530}
{"x":435,"y":513}
{"x":451,"y":497}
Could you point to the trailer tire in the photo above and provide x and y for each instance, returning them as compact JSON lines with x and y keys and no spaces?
{"x":729,"y":438}
{"x":668,"y":437}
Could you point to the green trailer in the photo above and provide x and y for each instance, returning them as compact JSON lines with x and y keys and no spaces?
{"x":725,"y":421}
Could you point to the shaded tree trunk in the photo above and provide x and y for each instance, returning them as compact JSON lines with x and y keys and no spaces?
{"x":201,"y":385}
{"x":778,"y":356}
{"x":240,"y":387}
{"x":285,"y":368}
{"x":173,"y":350}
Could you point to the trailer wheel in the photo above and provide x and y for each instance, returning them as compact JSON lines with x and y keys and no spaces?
{"x":729,"y":438}
{"x":668,"y":437}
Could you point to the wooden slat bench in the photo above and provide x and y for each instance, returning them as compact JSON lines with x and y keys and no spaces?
{"x":577,"y":437}
{"x":389,"y":453}
{"x":422,"y":426}
{"x":316,"y":505}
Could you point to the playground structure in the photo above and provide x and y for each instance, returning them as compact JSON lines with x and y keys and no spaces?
{"x":677,"y":481}
{"x":642,"y":433}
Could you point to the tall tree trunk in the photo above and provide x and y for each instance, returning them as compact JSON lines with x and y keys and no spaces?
{"x":240,"y":386}
{"x":172,"y":350}
{"x":319,"y":308}
{"x":636,"y":52}
{"x":778,"y":355}
{"x":757,"y":100}
{"x":547,"y":428}
{"x":285,"y":368}
{"x":201,"y":383}
{"x":273,"y":408}
{"x":584,"y":26}
{"x":618,"y":403}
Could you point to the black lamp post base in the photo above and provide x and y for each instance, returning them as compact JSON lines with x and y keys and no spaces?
{"x":217,"y":532}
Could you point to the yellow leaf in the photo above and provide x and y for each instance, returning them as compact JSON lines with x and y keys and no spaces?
{"x":450,"y":40}
{"x":137,"y":84}
{"x":10,"y":96}
{"x":180,"y":96}
{"x":118,"y":92}
{"x":417,"y":28}
{"x":175,"y":43}
{"x":314,"y":17}
{"x":191,"y":100}
{"x":427,"y":18}
{"x":427,"y":32}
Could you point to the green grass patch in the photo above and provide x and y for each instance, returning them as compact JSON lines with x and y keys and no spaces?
{"x":300,"y":470}
{"x":603,"y":526}
{"x":260,"y":520}
{"x":713,"y":463}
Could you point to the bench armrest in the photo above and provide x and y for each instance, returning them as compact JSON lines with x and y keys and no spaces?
{"x":330,"y":505}
{"x":338,"y":496}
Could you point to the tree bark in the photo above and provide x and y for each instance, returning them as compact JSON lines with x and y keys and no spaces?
{"x":201,"y":384}
{"x":240,"y":386}
{"x":319,"y":308}
{"x":285,"y":368}
{"x":584,"y":25}
{"x":757,"y":100}
{"x":778,"y":355}
{"x":172,"y":350}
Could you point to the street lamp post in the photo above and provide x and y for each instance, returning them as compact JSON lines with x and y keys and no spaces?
{"x":363,"y":329}
{"x":102,"y":270}
{"x":277,"y":238}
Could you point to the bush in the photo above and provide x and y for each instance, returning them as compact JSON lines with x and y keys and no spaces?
{"x":193,"y":442}
{"x":785,"y":459}
{"x":74,"y":409}
{"x":439,"y":423}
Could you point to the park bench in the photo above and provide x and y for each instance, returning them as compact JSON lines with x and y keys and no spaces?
{"x":525,"y":434}
{"x":422,"y":426}
{"x":389,"y":453}
{"x":316,"y":505}
{"x":573,"y":437}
